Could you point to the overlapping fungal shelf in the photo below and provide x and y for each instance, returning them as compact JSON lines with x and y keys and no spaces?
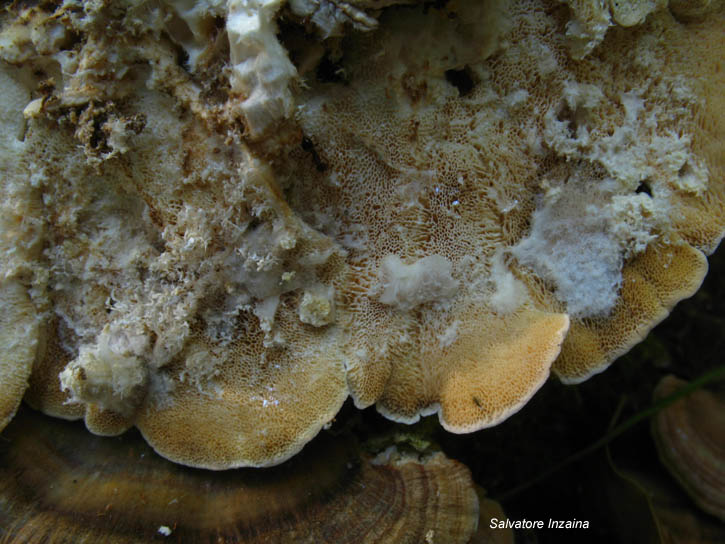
{"x":221,"y":219}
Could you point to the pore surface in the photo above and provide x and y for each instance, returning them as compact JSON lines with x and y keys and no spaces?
{"x":223,"y":223}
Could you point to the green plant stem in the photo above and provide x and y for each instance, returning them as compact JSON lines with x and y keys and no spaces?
{"x":711,"y":376}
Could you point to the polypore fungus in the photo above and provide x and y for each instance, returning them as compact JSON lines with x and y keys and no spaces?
{"x":231,"y":216}
{"x":21,"y":231}
{"x":19,"y":339}
{"x":60,"y":483}
{"x":690,"y":439}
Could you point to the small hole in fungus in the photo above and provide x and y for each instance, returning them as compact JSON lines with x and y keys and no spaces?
{"x":566,"y":115}
{"x":686,"y":170}
{"x":254,"y":224}
{"x":461,"y":80}
{"x":182,"y":58}
{"x":435,"y":4}
{"x":309,"y":147}
{"x":644,"y":187}
{"x":330,"y":72}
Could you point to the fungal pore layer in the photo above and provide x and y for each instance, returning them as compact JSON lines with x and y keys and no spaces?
{"x":221,"y":219}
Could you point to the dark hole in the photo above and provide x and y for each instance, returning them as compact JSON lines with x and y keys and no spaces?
{"x":309,"y":147}
{"x":330,"y":72}
{"x":307,"y":144}
{"x":461,"y":80}
{"x":566,"y":115}
{"x":686,"y":170}
{"x":254,"y":224}
{"x":73,"y":39}
{"x":97,"y":139}
{"x":435,"y":4}
{"x":182,"y":58}
{"x":295,"y":40}
{"x":644,"y":187}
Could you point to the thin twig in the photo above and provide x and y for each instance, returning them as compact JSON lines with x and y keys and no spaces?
{"x":714,"y":375}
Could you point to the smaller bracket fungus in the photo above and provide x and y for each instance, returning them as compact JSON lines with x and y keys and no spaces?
{"x":690,"y":439}
{"x":58,"y":482}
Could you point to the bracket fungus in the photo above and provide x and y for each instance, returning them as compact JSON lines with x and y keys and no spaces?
{"x":50,"y":491}
{"x":690,"y":439}
{"x":222,"y":218}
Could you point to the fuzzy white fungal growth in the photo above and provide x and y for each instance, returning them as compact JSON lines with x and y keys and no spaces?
{"x":192,"y":28}
{"x":509,"y":293}
{"x":406,"y":286}
{"x":105,"y":374}
{"x":261,"y":69}
{"x":569,"y":245}
{"x":330,"y":16}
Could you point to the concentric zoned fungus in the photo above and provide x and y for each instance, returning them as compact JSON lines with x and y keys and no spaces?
{"x":58,"y":482}
{"x":233,"y":215}
{"x":690,"y":438}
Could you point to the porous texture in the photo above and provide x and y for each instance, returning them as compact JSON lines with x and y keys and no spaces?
{"x":50,"y":491}
{"x":21,"y":232}
{"x":175,"y":270}
{"x":684,"y":165}
{"x":546,"y":178}
{"x":392,"y":175}
{"x":18,"y":341}
{"x":234,"y":215}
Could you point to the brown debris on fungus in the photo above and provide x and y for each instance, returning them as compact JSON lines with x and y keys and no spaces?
{"x":218,"y":245}
{"x":50,"y":489}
